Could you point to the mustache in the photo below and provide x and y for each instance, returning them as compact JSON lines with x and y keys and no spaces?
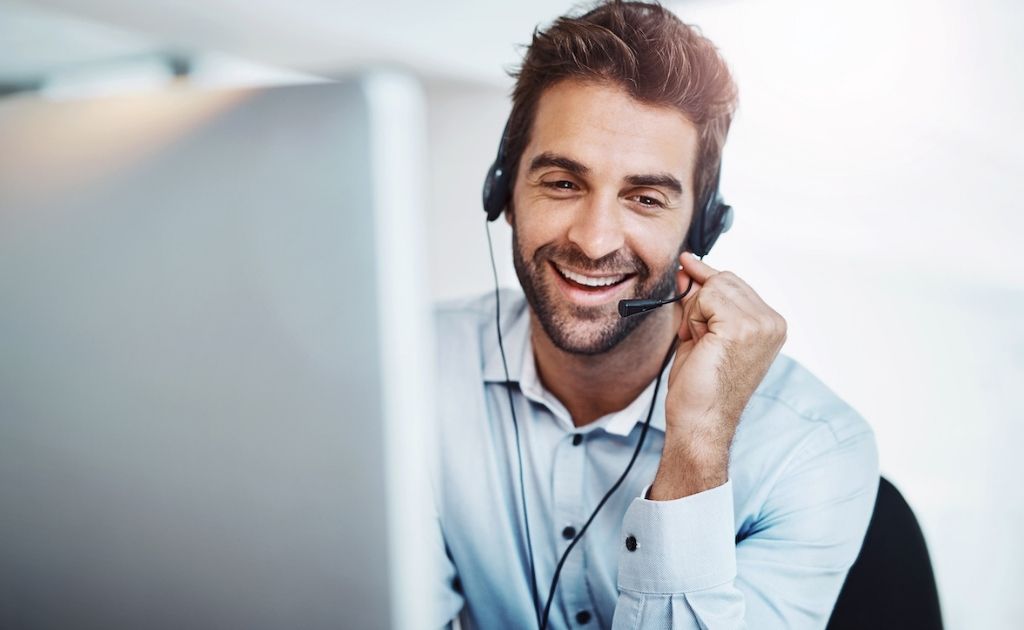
{"x":618,"y":261}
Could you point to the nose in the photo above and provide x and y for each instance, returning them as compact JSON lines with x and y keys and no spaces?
{"x":597,"y":226}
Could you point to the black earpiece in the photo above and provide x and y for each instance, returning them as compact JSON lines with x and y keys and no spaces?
{"x":497,"y":187}
{"x":713,"y":216}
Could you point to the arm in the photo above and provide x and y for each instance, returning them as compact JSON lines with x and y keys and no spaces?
{"x":687,"y":571}
{"x":691,"y":573}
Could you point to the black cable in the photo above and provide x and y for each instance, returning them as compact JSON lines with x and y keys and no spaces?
{"x":615,"y":486}
{"x":515,"y":423}
{"x":542,"y":621}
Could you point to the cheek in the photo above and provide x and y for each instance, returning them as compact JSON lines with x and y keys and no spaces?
{"x":656,"y":242}
{"x":536,"y":226}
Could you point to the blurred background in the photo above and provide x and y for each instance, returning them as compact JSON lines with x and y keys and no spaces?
{"x":876,"y":166}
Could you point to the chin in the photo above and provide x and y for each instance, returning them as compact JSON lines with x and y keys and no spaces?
{"x":599,"y":331}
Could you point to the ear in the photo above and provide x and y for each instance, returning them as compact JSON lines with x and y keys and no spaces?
{"x":509,"y":210}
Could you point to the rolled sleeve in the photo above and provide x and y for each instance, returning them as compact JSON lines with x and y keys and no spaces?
{"x":681,"y":546}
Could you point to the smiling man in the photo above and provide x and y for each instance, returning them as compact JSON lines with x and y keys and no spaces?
{"x":666,"y":470}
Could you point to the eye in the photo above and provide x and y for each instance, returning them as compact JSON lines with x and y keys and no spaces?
{"x":561,"y":184}
{"x":648,"y":202}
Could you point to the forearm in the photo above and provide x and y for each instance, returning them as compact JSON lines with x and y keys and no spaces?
{"x":689,"y":466}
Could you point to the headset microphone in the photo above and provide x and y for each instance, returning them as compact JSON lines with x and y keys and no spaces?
{"x":628,"y":308}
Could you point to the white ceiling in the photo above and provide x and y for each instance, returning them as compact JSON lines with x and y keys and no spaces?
{"x":466,"y":38}
{"x":896,"y":117}
{"x":35,"y":41}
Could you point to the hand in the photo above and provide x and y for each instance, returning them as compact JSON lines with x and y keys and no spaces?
{"x":728,"y":338}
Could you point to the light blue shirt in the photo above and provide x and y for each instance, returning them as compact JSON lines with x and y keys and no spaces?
{"x":770,"y":548}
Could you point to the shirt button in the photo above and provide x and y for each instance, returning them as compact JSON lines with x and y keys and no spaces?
{"x":569,"y":533}
{"x":583,"y":617}
{"x":631,"y":542}
{"x":576,"y":439}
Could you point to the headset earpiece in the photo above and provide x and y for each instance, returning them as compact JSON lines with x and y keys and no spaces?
{"x":713,"y":219}
{"x":497,"y":188}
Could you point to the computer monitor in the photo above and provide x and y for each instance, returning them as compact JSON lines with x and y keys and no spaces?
{"x":214,"y":340}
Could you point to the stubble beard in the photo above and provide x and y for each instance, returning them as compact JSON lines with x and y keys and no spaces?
{"x":578,"y":329}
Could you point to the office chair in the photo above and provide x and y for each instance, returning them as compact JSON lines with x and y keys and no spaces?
{"x":891,"y":584}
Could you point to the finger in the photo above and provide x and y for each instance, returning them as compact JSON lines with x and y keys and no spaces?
{"x":685,"y":285}
{"x":742,"y":295}
{"x":697,"y":315}
{"x":685,"y":333}
{"x":727,"y":313}
{"x":714,"y":309}
{"x":696,"y":268}
{"x":732,"y":289}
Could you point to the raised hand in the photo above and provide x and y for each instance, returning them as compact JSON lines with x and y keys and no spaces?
{"x":728,"y":338}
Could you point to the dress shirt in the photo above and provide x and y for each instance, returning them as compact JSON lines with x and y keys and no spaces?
{"x":767,"y":549}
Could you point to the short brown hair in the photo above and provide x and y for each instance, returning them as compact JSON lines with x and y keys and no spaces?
{"x":644,"y":49}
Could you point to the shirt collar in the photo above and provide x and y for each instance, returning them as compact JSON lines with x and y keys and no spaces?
{"x":515,"y":332}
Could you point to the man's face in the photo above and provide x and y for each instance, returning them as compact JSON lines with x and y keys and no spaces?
{"x":601,"y":204}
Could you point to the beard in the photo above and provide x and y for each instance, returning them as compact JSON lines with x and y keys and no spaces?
{"x":585,"y":330}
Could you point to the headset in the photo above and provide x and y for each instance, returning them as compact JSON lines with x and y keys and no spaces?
{"x":712,"y":219}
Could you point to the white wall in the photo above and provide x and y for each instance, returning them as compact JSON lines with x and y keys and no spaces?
{"x":465,"y":121}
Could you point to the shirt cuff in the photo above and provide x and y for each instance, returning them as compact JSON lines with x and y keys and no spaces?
{"x":678,"y":546}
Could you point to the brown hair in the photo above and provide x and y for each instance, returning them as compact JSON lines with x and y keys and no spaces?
{"x":642,"y":48}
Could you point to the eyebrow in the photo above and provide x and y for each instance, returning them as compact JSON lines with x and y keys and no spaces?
{"x":548,"y":159}
{"x":558,"y":161}
{"x":663,"y":180}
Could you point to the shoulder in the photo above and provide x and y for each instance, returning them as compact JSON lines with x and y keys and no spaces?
{"x":466,"y":335}
{"x":794,"y":422}
{"x":808,"y":473}
{"x":791,"y":391}
{"x":473,"y":309}
{"x":468,"y":319}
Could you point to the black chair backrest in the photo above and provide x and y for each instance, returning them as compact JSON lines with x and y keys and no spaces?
{"x":891,"y":584}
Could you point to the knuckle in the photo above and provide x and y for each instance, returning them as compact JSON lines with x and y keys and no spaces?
{"x":747,"y":328}
{"x":724,"y":279}
{"x":780,"y":324}
{"x":732,"y":279}
{"x":707,"y":297}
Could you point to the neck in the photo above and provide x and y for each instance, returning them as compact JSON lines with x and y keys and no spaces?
{"x":593,"y":386}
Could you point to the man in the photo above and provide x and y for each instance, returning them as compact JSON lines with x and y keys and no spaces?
{"x":754,"y":485}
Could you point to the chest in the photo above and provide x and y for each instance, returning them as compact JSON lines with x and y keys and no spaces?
{"x":486,"y":504}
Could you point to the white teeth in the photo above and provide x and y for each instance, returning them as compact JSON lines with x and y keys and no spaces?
{"x":603,"y":281}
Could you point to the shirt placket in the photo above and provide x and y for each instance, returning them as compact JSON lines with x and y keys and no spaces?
{"x":569,"y":517}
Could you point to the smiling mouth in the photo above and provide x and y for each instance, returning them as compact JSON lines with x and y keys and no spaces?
{"x":591,"y":282}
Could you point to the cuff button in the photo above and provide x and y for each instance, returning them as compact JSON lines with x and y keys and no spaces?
{"x":631,"y":543}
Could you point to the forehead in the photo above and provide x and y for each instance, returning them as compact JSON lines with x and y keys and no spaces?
{"x":608,"y":131}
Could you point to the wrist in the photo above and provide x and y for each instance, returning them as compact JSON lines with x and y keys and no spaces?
{"x":687,"y":469}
